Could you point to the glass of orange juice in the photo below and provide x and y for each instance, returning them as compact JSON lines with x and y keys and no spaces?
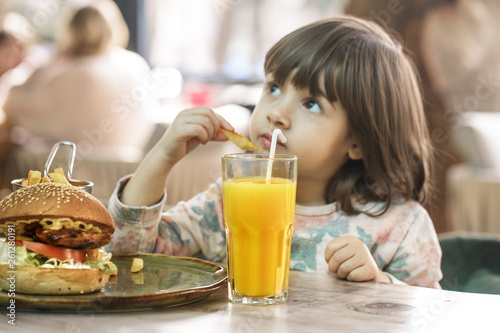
{"x":259,"y":209}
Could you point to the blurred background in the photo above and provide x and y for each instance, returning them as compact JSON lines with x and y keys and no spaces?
{"x":210,"y":52}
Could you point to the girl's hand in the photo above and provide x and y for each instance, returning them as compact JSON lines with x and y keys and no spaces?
{"x":351,"y":259}
{"x":191,"y":128}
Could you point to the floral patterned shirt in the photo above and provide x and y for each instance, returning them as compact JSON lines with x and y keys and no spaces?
{"x":402,"y":241}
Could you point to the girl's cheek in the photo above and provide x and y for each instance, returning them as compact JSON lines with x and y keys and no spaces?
{"x":253,"y":127}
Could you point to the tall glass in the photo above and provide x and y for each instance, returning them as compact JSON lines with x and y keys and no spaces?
{"x":259,"y":209}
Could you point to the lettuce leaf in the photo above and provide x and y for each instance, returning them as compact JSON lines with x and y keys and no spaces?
{"x":107,"y":267}
{"x":26,"y":257}
{"x":23,"y":256}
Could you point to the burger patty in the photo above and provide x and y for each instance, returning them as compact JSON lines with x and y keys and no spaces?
{"x":73,"y":238}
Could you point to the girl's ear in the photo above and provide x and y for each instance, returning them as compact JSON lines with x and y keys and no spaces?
{"x":355,"y":152}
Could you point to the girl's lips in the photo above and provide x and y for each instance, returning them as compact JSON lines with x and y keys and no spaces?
{"x":266,"y":142}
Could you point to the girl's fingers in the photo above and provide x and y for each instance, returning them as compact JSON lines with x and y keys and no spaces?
{"x":335,"y":245}
{"x":339,"y":258}
{"x":225,"y":124}
{"x":217,"y":120}
{"x":195,"y":132}
{"x":195,"y":126}
{"x":210,"y":121}
{"x":347,"y":269}
{"x":219,"y":136}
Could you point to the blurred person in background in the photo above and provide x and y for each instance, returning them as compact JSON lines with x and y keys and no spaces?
{"x":94,"y":93}
{"x":13,"y":51}
{"x":12,"y":54}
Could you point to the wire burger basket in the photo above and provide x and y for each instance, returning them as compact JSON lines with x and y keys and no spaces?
{"x":83,"y":184}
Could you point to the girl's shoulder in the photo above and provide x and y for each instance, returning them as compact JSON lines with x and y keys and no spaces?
{"x":370,"y":208}
{"x":398,"y":207}
{"x":406,"y":215}
{"x":399,"y":212}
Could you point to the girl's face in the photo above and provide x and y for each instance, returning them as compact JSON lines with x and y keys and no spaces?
{"x":316,"y":130}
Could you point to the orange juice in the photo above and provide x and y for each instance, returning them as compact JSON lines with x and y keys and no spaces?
{"x":259,"y":218}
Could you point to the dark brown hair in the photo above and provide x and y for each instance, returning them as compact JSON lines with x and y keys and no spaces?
{"x":369,"y":74}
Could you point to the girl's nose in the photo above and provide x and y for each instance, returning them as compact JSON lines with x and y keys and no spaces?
{"x":279,"y":117}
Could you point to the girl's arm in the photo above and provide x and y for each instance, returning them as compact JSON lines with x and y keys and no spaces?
{"x":190,"y":128}
{"x":196,"y":227}
{"x":416,"y":259}
{"x":192,"y":228}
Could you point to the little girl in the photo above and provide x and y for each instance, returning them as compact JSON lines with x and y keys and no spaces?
{"x":347,"y":99}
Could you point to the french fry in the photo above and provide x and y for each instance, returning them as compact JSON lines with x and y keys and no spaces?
{"x":34,"y":177}
{"x":58,"y":178}
{"x":59,"y":170}
{"x":92,"y":254}
{"x":239,"y":140}
{"x":137,"y":265}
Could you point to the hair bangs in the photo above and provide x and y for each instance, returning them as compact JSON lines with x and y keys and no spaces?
{"x":292,"y":59}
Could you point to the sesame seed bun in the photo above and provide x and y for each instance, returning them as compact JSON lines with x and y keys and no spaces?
{"x":57,"y":214}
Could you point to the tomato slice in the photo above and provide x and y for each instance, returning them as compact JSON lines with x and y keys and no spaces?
{"x":51,"y":251}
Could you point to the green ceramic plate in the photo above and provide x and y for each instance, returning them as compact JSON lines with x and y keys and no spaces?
{"x":164,"y":281}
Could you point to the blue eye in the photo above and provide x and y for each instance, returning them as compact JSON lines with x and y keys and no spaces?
{"x":313,"y":106}
{"x":274,"y":90}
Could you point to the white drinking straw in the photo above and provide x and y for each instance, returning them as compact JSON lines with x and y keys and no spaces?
{"x":274,"y":140}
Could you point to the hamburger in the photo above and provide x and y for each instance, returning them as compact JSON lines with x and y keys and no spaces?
{"x":54,"y":233}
